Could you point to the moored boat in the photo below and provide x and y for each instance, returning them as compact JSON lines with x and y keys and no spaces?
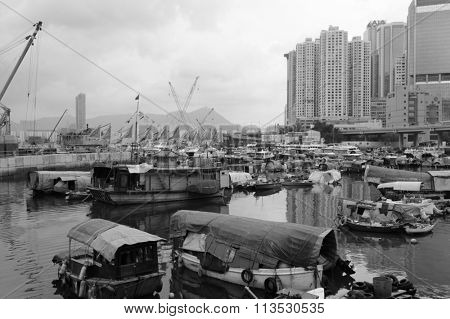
{"x":164,"y":181}
{"x":298,"y":183}
{"x":114,"y":261}
{"x":46,"y":182}
{"x":419,"y":228}
{"x":246,"y":251}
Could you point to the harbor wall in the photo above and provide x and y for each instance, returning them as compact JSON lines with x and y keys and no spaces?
{"x":21,"y":165}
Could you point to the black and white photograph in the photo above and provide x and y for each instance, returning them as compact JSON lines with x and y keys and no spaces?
{"x":157,"y":151}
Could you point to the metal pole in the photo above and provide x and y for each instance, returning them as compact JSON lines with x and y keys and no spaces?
{"x":30,"y":42}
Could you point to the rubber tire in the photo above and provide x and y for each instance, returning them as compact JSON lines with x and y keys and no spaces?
{"x":247,"y":276}
{"x":270,"y":285}
{"x":394,"y":279}
{"x":359,"y":285}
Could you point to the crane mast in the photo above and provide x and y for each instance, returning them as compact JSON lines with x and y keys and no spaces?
{"x":22,"y":56}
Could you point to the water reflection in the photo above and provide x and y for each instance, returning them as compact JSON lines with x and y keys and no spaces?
{"x":186,"y":284}
{"x":152,"y":218}
{"x":32,"y":230}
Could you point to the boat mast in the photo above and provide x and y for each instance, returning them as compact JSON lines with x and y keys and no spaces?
{"x":136,"y":129}
{"x":22,"y":56}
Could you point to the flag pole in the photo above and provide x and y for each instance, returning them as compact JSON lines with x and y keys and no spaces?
{"x":136,"y":128}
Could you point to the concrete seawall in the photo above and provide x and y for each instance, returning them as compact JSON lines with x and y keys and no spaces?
{"x":20,"y":165}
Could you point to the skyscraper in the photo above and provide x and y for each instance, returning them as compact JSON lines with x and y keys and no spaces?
{"x":307,"y":79}
{"x":429,"y":45}
{"x":80,"y":110}
{"x":371,"y":35}
{"x":391,"y":44}
{"x":359,"y":56}
{"x":290,"y":116}
{"x":333,"y":97}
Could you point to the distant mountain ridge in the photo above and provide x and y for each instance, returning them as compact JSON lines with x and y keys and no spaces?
{"x":119,"y":120}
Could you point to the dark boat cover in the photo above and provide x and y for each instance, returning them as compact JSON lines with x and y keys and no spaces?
{"x":252,"y":243}
{"x":107,"y":237}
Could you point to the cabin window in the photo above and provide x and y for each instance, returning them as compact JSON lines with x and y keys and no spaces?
{"x":137,"y":255}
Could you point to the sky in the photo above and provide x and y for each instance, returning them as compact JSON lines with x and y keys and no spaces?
{"x":236,"y":48}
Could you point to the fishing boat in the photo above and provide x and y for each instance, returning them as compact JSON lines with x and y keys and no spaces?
{"x":373,"y":227}
{"x":298,"y":183}
{"x":419,"y":228}
{"x":259,"y":254}
{"x":166,"y":180}
{"x":375,"y":217}
{"x":112,"y":261}
{"x":265,"y":186}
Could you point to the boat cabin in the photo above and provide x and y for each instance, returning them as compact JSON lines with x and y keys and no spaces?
{"x":58,"y":181}
{"x":110,"y":250}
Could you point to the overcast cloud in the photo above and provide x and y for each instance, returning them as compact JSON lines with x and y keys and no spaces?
{"x":235,"y":46}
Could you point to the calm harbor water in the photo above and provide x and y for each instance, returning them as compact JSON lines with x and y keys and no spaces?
{"x":32,"y":230}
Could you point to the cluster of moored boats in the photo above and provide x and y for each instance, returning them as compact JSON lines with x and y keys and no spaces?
{"x":122,"y":262}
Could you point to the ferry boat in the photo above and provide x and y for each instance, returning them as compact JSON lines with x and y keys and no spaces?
{"x":114,"y":261}
{"x":259,"y":254}
{"x":167,"y":180}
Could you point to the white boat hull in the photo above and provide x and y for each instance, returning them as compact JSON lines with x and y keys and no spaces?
{"x":297,"y":278}
{"x":420,"y":229}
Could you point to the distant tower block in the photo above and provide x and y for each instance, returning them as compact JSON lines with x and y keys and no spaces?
{"x":80,"y":105}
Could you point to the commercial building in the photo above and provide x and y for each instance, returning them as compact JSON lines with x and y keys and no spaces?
{"x":371,"y":35}
{"x":378,"y":110}
{"x":359,"y":78}
{"x":80,"y":111}
{"x":406,"y":107}
{"x":370,"y":124}
{"x":391,"y":44}
{"x":429,"y":46}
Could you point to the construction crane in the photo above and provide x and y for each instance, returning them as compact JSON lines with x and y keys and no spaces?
{"x":200,"y":124}
{"x":5,"y":118}
{"x":177,"y":102}
{"x":191,"y":92}
{"x":182,"y":108}
{"x":30,"y":39}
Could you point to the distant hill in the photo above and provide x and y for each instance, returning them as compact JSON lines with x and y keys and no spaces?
{"x":119,"y":120}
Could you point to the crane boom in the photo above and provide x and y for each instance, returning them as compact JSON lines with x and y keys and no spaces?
{"x":191,"y":92}
{"x":177,"y":101}
{"x":16,"y":67}
{"x":56,"y":125}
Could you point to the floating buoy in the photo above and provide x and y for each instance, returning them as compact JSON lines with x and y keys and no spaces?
{"x":413,"y":241}
{"x":171,"y":295}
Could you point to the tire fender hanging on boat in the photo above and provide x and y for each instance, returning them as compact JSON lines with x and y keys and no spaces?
{"x":247,"y":276}
{"x":270,"y":285}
